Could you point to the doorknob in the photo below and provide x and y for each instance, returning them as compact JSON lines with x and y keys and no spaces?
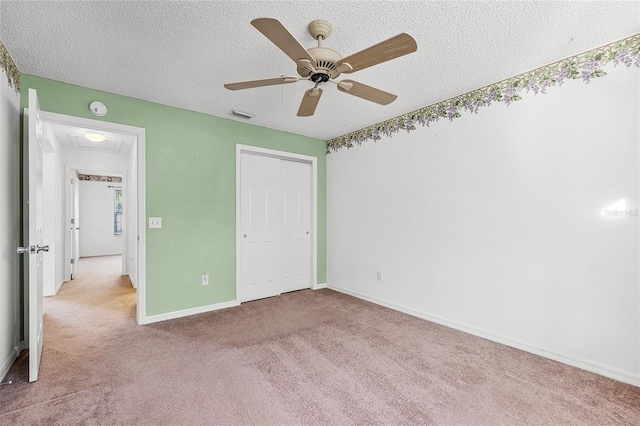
{"x":26,"y":250}
{"x":32,"y":249}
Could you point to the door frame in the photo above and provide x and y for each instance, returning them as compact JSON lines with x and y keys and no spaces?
{"x":68,"y":212}
{"x":72,"y":173}
{"x":139,"y":132}
{"x":282,"y":155}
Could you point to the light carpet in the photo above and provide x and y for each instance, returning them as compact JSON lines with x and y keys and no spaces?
{"x":307,"y":357}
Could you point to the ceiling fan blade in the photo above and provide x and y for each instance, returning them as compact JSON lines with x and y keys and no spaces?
{"x":366,"y":92}
{"x":309,"y":102}
{"x":397,"y":46}
{"x":278,"y":34}
{"x":260,"y":83}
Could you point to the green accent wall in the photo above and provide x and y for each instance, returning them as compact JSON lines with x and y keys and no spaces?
{"x":191,"y":184}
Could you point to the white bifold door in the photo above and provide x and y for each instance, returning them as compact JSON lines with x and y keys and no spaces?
{"x":275,"y":225}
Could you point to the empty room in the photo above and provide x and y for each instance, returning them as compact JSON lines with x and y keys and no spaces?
{"x":337,"y":212}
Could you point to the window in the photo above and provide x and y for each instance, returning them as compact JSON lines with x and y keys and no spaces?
{"x":117,"y":212}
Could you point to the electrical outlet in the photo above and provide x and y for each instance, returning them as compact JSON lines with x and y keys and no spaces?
{"x":379,"y":275}
{"x":205,"y":279}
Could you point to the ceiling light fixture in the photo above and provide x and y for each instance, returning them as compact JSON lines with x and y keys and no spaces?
{"x":245,"y":115}
{"x":95,"y":137}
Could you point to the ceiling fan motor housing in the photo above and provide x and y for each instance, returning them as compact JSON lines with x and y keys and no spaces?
{"x":325,"y":68}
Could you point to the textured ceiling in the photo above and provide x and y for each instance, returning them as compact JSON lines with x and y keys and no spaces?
{"x":181,"y":53}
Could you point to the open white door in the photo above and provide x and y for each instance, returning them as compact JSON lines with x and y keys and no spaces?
{"x":75,"y":226}
{"x":34,"y":233}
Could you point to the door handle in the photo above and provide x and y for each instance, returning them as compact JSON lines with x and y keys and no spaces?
{"x":32,"y":249}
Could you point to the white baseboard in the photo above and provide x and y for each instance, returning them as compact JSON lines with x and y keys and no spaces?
{"x":59,"y":285}
{"x":6,"y":365}
{"x":319,"y":286}
{"x":188,"y":312}
{"x":584,"y":364}
{"x":98,"y":254}
{"x":133,"y":282}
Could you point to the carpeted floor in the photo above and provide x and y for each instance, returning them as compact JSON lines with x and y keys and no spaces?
{"x":308,"y":357}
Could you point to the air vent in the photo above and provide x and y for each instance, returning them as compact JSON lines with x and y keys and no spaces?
{"x":245,"y":115}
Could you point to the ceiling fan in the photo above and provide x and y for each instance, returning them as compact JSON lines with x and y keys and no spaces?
{"x":320,"y":64}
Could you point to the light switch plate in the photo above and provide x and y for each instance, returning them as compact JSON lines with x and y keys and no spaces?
{"x":155,"y":222}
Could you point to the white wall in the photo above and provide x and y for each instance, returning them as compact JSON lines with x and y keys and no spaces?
{"x":492,"y":223}
{"x":9,"y":224}
{"x":96,"y":220}
{"x":100,"y":163}
{"x":97,"y":162}
{"x":49,"y":193}
{"x":53,"y":261}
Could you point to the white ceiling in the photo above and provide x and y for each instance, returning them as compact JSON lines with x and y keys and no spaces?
{"x":72,"y":137}
{"x":180,"y":53}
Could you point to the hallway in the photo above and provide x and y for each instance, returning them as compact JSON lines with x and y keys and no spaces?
{"x":97,"y":297}
{"x":87,"y":312}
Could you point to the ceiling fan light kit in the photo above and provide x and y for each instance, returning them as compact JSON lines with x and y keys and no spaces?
{"x":320,"y":64}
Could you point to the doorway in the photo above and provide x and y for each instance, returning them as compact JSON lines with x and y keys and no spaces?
{"x":276,"y":224}
{"x":95,"y":204}
{"x":131,"y":173}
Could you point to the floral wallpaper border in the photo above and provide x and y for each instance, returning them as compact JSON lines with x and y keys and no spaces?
{"x":97,"y":178}
{"x":584,"y":66}
{"x":10,"y":68}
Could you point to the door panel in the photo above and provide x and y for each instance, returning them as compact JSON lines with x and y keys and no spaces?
{"x":260,"y":217}
{"x":287,"y":249}
{"x":296,"y":264}
{"x":34,"y":235}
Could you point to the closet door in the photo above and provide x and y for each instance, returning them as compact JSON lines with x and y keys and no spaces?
{"x":275,"y":227}
{"x":261,"y":227}
{"x":296,"y":238}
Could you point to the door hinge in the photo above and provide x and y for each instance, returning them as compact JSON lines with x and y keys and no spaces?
{"x":73,"y":221}
{"x":73,"y":181}
{"x":73,"y":261}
